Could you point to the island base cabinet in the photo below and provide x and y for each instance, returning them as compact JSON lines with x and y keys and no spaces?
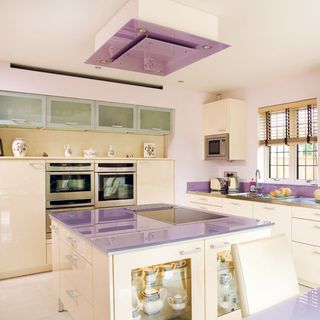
{"x":222,"y":300}
{"x":160,"y":283}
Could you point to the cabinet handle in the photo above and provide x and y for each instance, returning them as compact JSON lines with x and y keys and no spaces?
{"x":72,"y":258}
{"x":222,"y":130}
{"x":19,"y":120}
{"x":316,"y":213}
{"x":235,"y":203}
{"x":117,"y":126}
{"x":54,"y":228}
{"x":316,"y":252}
{"x":72,"y":241}
{"x":73,"y":294}
{"x":71,"y":123}
{"x":218,"y":246}
{"x":268,"y":208}
{"x":187,"y":252}
{"x":316,"y":226}
{"x":203,"y":208}
{"x":156,"y":129}
{"x":36,"y":165}
{"x":203,"y":199}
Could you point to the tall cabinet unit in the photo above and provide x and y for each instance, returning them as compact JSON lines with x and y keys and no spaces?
{"x":155,"y":181}
{"x":227,"y":116}
{"x":22,"y":217}
{"x":22,"y":110}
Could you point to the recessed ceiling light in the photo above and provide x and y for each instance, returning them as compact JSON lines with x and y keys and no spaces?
{"x":142,"y":30}
{"x":103,"y":61}
{"x":206,"y":46}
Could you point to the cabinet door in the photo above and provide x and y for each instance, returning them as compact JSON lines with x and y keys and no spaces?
{"x":280,"y":215}
{"x":222,"y":300}
{"x":22,"y":110}
{"x":160,"y":283}
{"x":155,"y":181}
{"x":215,"y":117}
{"x":235,"y":207}
{"x":55,"y":252}
{"x":212,"y":204}
{"x":115,"y":117}
{"x":22,"y":215}
{"x":155,"y":120}
{"x":64,"y":113}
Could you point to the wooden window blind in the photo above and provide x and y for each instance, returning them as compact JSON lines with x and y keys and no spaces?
{"x":289,"y":123}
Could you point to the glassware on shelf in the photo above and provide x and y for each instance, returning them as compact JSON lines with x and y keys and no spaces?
{"x":167,"y":272}
{"x":178,"y":302}
{"x":136,"y":313}
{"x":152,"y":300}
{"x":150,"y":275}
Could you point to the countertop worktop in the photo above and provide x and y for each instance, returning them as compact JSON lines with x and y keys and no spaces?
{"x":121,"y":228}
{"x":306,"y":306}
{"x":290,"y":201}
{"x":79,"y":158}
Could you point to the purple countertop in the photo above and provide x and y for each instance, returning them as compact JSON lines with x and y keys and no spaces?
{"x":306,"y":306}
{"x":117,"y":229}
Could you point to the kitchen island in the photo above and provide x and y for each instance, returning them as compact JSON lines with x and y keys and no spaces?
{"x":148,"y":262}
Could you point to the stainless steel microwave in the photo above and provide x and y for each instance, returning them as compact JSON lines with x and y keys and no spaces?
{"x":216,"y":147}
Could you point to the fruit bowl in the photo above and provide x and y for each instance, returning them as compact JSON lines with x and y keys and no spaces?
{"x":281,"y":192}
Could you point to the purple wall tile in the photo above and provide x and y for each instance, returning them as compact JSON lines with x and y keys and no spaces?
{"x":200,"y":186}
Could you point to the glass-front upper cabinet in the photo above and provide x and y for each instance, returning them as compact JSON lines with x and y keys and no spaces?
{"x":160,"y":283}
{"x":115,"y":117}
{"x":22,"y":110}
{"x":155,"y":120}
{"x":65,"y":113}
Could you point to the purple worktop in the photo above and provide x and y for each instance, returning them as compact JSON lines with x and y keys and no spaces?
{"x":306,"y":306}
{"x":121,"y":228}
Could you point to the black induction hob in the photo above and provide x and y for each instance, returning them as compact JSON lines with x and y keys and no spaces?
{"x":177,"y":215}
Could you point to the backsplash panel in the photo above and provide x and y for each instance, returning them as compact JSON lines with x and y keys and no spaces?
{"x":52,"y":141}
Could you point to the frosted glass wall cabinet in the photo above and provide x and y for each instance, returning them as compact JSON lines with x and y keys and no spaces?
{"x":155,"y":120}
{"x":227,"y":116}
{"x":65,"y":113}
{"x":22,"y":110}
{"x":115,"y":117}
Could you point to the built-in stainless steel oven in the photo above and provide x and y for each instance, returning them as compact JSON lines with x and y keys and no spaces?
{"x":69,"y":185}
{"x":115,"y":183}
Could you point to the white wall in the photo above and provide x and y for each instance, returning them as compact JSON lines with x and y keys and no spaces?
{"x":290,"y":89}
{"x":184,"y":145}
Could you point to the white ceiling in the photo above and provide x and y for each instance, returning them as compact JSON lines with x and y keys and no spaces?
{"x":269,"y":39}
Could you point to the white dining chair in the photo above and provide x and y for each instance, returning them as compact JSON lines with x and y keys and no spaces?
{"x":265,"y":273}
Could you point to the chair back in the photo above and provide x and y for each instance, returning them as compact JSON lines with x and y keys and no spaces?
{"x":265,"y":273}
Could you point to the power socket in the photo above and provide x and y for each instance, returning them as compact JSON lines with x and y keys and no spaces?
{"x":229,"y":174}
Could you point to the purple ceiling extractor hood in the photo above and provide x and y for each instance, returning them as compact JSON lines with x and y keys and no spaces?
{"x":149,"y":47}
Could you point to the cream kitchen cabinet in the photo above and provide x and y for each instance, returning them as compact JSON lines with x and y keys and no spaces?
{"x":227,"y":116}
{"x":279,"y":214}
{"x":306,"y":245}
{"x":22,"y":217}
{"x":22,"y":110}
{"x":222,"y":301}
{"x":237,"y":207}
{"x":155,"y":181}
{"x":206,"y":203}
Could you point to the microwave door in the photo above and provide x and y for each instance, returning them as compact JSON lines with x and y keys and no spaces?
{"x":214,"y":147}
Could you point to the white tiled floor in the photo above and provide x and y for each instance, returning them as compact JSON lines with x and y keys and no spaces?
{"x":29,"y":298}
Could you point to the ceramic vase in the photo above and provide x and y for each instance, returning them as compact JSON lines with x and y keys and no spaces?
{"x":19,"y":147}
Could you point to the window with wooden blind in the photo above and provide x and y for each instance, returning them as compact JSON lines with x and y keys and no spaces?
{"x":289,"y":132}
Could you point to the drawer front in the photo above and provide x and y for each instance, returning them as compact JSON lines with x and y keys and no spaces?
{"x":206,"y":207}
{"x":81,"y":246}
{"x":74,"y":302}
{"x":307,"y":262}
{"x":76,"y":270}
{"x":306,"y":231}
{"x":306,"y":213}
{"x":238,"y":208}
{"x":196,"y":198}
{"x":280,"y":215}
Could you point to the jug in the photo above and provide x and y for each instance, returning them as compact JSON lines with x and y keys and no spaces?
{"x":152,"y":299}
